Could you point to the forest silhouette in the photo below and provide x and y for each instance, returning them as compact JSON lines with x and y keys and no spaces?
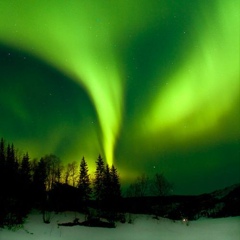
{"x":48,"y":186}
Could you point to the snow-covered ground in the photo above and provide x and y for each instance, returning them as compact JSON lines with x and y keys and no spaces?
{"x":143,"y":228}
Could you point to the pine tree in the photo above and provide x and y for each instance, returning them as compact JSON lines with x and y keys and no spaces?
{"x":2,"y":166}
{"x":3,"y":178}
{"x":115,"y":182}
{"x":11,"y":161}
{"x":98,"y":186}
{"x":12,"y":171}
{"x":111,"y":193}
{"x":84,"y":184}
{"x":25,"y":168}
{"x":39,"y":181}
{"x":2,"y":151}
{"x":25,"y":175}
{"x":25,"y":186}
{"x":107,"y":186}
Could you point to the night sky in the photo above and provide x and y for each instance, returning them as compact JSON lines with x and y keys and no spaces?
{"x":151,"y":85}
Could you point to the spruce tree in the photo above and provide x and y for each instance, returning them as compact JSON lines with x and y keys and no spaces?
{"x":3,"y":178}
{"x":10,"y":159}
{"x":98,"y":184}
{"x":39,"y":181}
{"x":12,"y":171}
{"x":111,"y":193}
{"x":107,"y":186}
{"x":2,"y":166}
{"x":84,"y":184}
{"x":25,"y":176}
{"x":2,"y":151}
{"x":115,"y":196}
{"x":115,"y":182}
{"x":25,"y":169}
{"x":25,"y":186}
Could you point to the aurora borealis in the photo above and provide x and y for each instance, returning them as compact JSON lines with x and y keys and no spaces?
{"x":151,"y":85}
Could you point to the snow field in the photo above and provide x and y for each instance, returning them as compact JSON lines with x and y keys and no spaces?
{"x":144,"y":227}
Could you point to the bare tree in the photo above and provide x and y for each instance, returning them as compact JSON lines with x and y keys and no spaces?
{"x":144,"y":186}
{"x":53,"y":170}
{"x":66,"y":173}
{"x":140,"y":187}
{"x":71,"y":174}
{"x":160,"y":186}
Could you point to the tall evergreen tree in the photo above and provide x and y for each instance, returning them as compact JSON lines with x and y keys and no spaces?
{"x":84,"y":184}
{"x":25,"y":169}
{"x":111,"y":193}
{"x":2,"y":150}
{"x":107,"y":186}
{"x":2,"y":165}
{"x":11,"y":161}
{"x":98,"y":184}
{"x":39,"y":181}
{"x":2,"y":183}
{"x":115,"y":184}
{"x":12,"y":171}
{"x":25,"y":176}
{"x":25,"y":186}
{"x":15,"y":201}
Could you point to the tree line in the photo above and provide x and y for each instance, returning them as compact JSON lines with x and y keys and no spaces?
{"x":25,"y":184}
{"x":144,"y":186}
{"x":48,"y":185}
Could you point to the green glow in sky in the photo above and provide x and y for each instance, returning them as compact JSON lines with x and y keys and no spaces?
{"x":207,"y":85}
{"x":152,"y":84}
{"x":75,"y":38}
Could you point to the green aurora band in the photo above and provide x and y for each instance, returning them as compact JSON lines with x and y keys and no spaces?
{"x":163,"y":77}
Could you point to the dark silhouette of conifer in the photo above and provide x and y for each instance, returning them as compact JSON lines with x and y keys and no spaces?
{"x":25,"y":186}
{"x":115,"y":190}
{"x":39,"y":181}
{"x":3,"y":178}
{"x":2,"y":151}
{"x":107,"y":186}
{"x":25,"y":177}
{"x":25,"y":169}
{"x":2,"y":166}
{"x":98,"y":184}
{"x":12,"y":172}
{"x":116,"y":186}
{"x":84,"y":184}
